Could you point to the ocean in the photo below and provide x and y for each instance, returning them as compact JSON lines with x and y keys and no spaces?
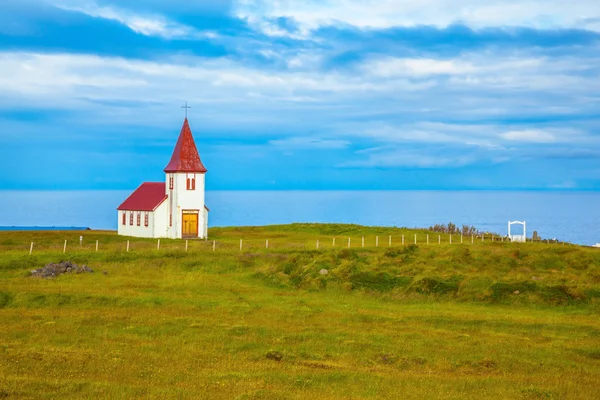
{"x":565,"y":215}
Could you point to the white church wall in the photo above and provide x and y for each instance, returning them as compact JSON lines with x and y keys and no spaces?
{"x":120,"y":226}
{"x":180,"y":198}
{"x":161,"y":219}
{"x":172,"y":225}
{"x":133,"y":229}
{"x":205,"y":222}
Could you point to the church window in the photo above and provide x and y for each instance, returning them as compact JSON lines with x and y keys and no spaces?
{"x":124,"y":218}
{"x":171,"y":220}
{"x":191,"y":184}
{"x":131,"y":218}
{"x":139,"y":218}
{"x":146,"y":219}
{"x":171,"y":182}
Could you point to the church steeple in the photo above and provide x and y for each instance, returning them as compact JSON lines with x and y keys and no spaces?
{"x":185,"y":157}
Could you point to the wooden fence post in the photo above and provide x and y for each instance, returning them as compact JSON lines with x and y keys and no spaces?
{"x":186,"y":245}
{"x":317,"y":244}
{"x":31,"y":248}
{"x":158,"y":245}
{"x":348,"y":242}
{"x":428,"y":238}
{"x":241,"y":244}
{"x":450,"y":238}
{"x":267,"y":244}
{"x":363,"y":241}
{"x":439,"y":239}
{"x":333,"y":245}
{"x":390,"y":241}
{"x":402,"y":240}
{"x":214,"y":245}
{"x":65,"y":247}
{"x":96,"y":245}
{"x":461,"y":238}
{"x":376,"y":241}
{"x":128,"y":246}
{"x":415,"y":238}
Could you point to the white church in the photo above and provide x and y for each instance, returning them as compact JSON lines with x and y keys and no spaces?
{"x":174,"y":208}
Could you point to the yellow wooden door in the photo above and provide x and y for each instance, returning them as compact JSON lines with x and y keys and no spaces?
{"x":190,"y":225}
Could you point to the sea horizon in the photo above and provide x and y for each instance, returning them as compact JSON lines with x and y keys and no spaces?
{"x":566,"y":215}
{"x":327,"y":190}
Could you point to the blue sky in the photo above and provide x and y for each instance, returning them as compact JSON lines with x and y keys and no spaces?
{"x":327,"y":94}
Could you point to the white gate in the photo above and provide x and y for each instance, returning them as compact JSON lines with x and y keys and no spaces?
{"x":517,"y":238}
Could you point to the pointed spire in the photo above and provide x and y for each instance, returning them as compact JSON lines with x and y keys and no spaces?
{"x":185,"y":157}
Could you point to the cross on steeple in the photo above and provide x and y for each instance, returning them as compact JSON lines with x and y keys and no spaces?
{"x":186,"y":108}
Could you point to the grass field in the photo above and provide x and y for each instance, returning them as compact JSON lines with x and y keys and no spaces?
{"x":490,"y":320}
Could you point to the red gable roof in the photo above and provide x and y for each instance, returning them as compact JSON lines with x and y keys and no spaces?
{"x":147,"y":197}
{"x":185,"y":157}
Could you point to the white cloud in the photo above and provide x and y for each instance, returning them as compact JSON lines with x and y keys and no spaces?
{"x":471,"y":68}
{"x":304,"y":143}
{"x":425,"y":132}
{"x":339,"y":105}
{"x":219,"y":79}
{"x":488,"y":137}
{"x":389,"y":67}
{"x":570,"y":184}
{"x":391,"y":157}
{"x":236,"y":94}
{"x":529,"y":135}
{"x":149,"y":25}
{"x":388,"y":13}
{"x":549,"y":135}
{"x":478,"y":135}
{"x":272,"y":29}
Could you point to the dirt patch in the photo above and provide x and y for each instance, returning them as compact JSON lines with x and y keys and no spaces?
{"x":53,"y":270}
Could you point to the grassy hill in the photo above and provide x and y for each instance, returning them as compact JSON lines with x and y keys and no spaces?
{"x":487,"y":319}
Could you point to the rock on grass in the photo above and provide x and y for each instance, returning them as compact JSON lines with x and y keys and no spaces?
{"x":53,"y":270}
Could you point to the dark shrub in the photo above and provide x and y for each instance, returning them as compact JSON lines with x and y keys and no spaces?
{"x":435,"y":285}
{"x":502,"y":290}
{"x":401,"y":251}
{"x":593,"y":293}
{"x":557,"y":294}
{"x":380,"y":281}
{"x":348,"y":254}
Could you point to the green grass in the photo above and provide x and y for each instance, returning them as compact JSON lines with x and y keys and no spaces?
{"x":483,"y":320}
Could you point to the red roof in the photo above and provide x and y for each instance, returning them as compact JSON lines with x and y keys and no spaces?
{"x":185,"y":157}
{"x":147,"y":197}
